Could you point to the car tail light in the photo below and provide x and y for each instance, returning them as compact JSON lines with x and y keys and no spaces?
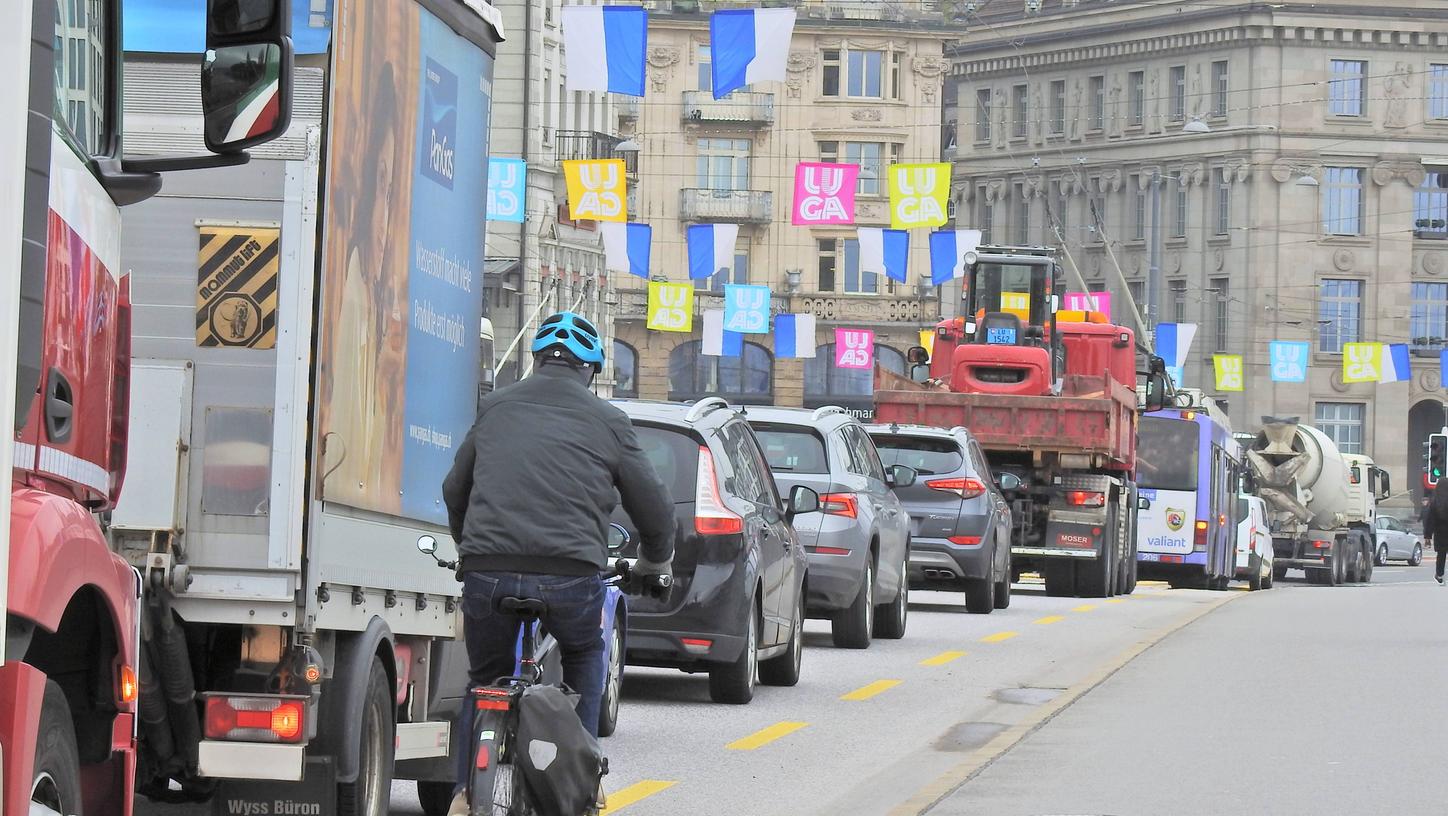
{"x":1086,"y":498}
{"x":1199,"y":542}
{"x":255,"y":718}
{"x":966,"y":541}
{"x":964,"y":488}
{"x":711,"y":517}
{"x":840,"y":504}
{"x":697,"y":645}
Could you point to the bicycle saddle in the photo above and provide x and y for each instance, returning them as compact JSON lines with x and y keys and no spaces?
{"x":526,"y":608}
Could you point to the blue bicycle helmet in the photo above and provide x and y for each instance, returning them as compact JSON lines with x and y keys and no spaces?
{"x":571,"y":333}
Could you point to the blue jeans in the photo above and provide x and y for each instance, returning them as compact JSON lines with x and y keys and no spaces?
{"x":574,"y":619}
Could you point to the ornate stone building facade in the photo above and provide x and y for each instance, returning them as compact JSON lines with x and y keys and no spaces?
{"x":1301,"y":153}
{"x":864,"y":86}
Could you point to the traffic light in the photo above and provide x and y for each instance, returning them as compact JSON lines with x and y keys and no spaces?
{"x":1437,"y":458}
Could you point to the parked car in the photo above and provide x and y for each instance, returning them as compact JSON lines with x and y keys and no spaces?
{"x":858,"y":543}
{"x":1254,"y":543}
{"x":1397,"y":543}
{"x":737,"y":606}
{"x":960,"y":521}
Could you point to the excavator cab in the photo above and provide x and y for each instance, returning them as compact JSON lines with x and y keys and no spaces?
{"x":1011,"y":344}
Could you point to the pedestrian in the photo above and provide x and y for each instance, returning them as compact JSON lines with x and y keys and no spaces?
{"x":1435,"y":521}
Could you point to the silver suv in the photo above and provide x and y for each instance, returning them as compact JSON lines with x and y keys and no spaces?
{"x":859,"y":542}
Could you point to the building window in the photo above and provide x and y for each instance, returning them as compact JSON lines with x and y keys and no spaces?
{"x":1223,"y":189}
{"x":1180,"y":211}
{"x":547,"y":106}
{"x":1430,"y":206}
{"x":828,"y":263}
{"x":1177,"y":84}
{"x":1438,"y":92}
{"x":1178,"y":291}
{"x":1348,"y":89}
{"x":1137,"y":291}
{"x":1219,"y":287}
{"x":739,"y":274}
{"x":897,"y":75}
{"x":748,"y":378}
{"x":723,"y":164}
{"x":984,"y":215}
{"x":705,"y":63}
{"x":863,"y":73}
{"x":1058,"y":107}
{"x":1020,"y":109}
{"x":1429,"y":320}
{"x":822,"y":380}
{"x":1219,"y":88}
{"x":830,"y":71}
{"x":982,"y":115}
{"x":1339,"y":313}
{"x":1097,"y":94}
{"x":872,"y":173}
{"x":1096,"y":210}
{"x":625,"y":370}
{"x":856,"y":281}
{"x":1342,"y":422}
{"x":81,"y":41}
{"x":1136,"y":105}
{"x":1342,"y":201}
{"x":1138,"y":208}
{"x":1022,"y":225}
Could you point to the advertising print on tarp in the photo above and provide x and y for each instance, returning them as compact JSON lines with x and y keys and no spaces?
{"x":236,"y":287}
{"x":406,"y":202}
{"x":854,"y":348}
{"x":824,"y":194}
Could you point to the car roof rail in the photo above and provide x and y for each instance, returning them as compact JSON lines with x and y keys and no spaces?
{"x":704,"y":406}
{"x":825,"y":410}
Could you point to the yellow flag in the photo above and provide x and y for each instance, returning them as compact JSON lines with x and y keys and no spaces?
{"x":927,"y":340}
{"x":671,"y":306}
{"x":596,"y":190}
{"x":918,"y":195}
{"x":1229,"y":371}
{"x":1362,"y":362}
{"x":1018,"y":304}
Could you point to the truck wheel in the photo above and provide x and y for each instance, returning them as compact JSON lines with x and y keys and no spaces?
{"x":1366,"y":573}
{"x":371,"y":793}
{"x":1093,"y":578}
{"x":1353,"y":566}
{"x":1131,"y":570}
{"x":1278,"y":573}
{"x":1060,"y":578}
{"x":1254,"y":568}
{"x":851,"y":627}
{"x":734,"y":682}
{"x":1337,"y":569}
{"x":435,"y":797}
{"x":55,"y":782}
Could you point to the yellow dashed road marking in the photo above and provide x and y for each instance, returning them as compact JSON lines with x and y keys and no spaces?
{"x":1084,"y":608}
{"x":942,"y":658}
{"x":1050,"y":619}
{"x":763,"y":737}
{"x":633,"y":793}
{"x":998,"y":637}
{"x":866,"y":692}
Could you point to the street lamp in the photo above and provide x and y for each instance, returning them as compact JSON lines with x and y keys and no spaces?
{"x":792,"y":280}
{"x":1196,"y":126}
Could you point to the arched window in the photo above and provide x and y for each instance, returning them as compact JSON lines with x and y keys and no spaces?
{"x":625,"y":371}
{"x":823,"y":379}
{"x":748,"y":378}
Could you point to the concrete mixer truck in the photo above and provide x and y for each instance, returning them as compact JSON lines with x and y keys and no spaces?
{"x":1322,"y":503}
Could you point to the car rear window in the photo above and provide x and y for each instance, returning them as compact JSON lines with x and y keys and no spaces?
{"x":675,"y":455}
{"x":927,"y":455}
{"x":792,"y":450}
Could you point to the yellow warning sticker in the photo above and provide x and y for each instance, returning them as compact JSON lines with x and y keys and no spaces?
{"x":236,"y":287}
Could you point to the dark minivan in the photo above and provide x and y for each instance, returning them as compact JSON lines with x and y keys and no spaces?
{"x":737,"y":606}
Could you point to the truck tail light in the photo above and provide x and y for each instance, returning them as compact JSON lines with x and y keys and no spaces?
{"x":964,"y":488}
{"x":840,"y":504}
{"x":255,"y":718}
{"x":1322,"y":545}
{"x":1085,"y":498}
{"x":127,"y":685}
{"x":1199,"y":542}
{"x":711,"y":517}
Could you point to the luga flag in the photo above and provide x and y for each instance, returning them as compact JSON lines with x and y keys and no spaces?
{"x":604,"y":48}
{"x":718,"y":341}
{"x":854,"y":348}
{"x":918,"y":195}
{"x":711,"y":249}
{"x":626,"y":247}
{"x":824,"y":193}
{"x":597,"y":190}
{"x":1362,"y":362}
{"x":794,"y":335}
{"x":1098,"y":302}
{"x":507,"y":188}
{"x":746,"y":309}
{"x":947,"y":253}
{"x":1018,"y":304}
{"x":884,"y":252}
{"x":671,"y":307}
{"x":1396,"y":363}
{"x":1289,"y":360}
{"x":748,"y":46}
{"x":1229,"y":371}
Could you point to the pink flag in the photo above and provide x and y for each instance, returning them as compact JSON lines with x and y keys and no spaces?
{"x":824,"y":193}
{"x":854,"y":348}
{"x":1099,"y":302}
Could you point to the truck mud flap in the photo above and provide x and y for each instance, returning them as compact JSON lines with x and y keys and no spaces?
{"x":315,"y":795}
{"x":1072,"y":539}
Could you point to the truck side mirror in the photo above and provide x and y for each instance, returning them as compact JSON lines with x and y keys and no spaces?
{"x":246,"y":73}
{"x":1009,"y":481}
{"x":1385,"y":485}
{"x":1156,"y":383}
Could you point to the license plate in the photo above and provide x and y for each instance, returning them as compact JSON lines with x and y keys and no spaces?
{"x":1001,"y":337}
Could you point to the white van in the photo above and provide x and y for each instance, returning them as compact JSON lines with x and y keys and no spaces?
{"x":1254,"y":542}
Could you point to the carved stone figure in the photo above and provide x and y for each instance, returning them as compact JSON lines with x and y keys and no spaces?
{"x":1395,"y":88}
{"x":1076,"y":111}
{"x":1153,"y":98}
{"x":1199,"y":99}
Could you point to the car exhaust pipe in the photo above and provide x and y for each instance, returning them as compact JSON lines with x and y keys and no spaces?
{"x":939,"y":574}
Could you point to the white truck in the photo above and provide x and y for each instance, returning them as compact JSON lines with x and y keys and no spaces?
{"x":1322,"y":503}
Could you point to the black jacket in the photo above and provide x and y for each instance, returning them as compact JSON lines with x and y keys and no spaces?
{"x":533,"y":485}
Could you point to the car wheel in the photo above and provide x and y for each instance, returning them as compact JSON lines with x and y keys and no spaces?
{"x":1254,"y":580}
{"x":1383,"y":556}
{"x":55,"y":780}
{"x":612,"y":682}
{"x":1003,"y":591}
{"x":784,"y":669}
{"x":890,"y":618}
{"x":733,"y":683}
{"x":1417,"y":557}
{"x":1269,"y":574}
{"x":851,"y":627}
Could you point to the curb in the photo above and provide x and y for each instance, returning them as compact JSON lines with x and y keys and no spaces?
{"x":948,"y":783}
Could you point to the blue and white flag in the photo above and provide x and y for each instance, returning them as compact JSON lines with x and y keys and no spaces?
{"x":1443,"y":366}
{"x":794,"y":335}
{"x":718,"y":342}
{"x":605,"y":47}
{"x":747,"y":46}
{"x":947,"y":253}
{"x":711,"y":249}
{"x":1173,"y":343}
{"x":884,"y":252}
{"x":626,"y":247}
{"x":1395,"y":366}
{"x":1288,"y":360}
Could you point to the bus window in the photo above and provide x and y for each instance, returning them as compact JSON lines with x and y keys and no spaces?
{"x":1167,"y":452}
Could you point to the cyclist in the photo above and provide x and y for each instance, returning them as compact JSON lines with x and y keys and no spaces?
{"x":529,"y":499}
